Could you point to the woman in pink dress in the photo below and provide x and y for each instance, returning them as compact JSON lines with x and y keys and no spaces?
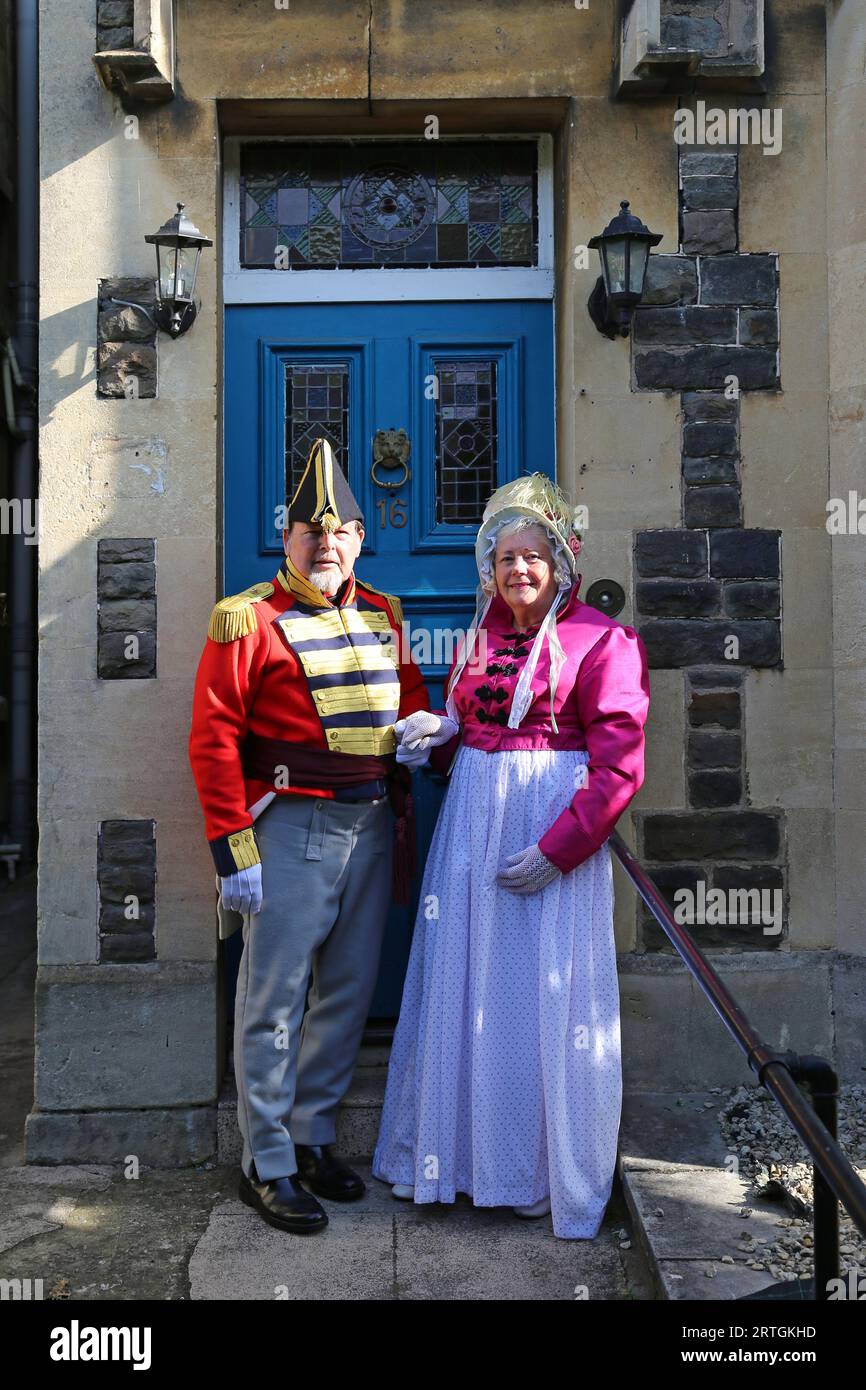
{"x":505,"y":1080}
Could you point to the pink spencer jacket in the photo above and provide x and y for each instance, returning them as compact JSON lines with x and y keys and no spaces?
{"x":601,"y":703}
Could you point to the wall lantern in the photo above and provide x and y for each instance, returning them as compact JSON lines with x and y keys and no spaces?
{"x":623,"y":249}
{"x":178,"y":248}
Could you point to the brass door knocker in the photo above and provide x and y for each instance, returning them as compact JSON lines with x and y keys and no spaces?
{"x":391,"y":449}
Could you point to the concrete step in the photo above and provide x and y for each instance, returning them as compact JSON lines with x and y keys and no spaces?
{"x":674,"y":1166}
{"x":686,"y":1199}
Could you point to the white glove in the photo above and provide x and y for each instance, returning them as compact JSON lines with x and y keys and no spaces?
{"x":412,"y":757}
{"x":424,"y":730}
{"x":529,"y":871}
{"x":242,"y":892}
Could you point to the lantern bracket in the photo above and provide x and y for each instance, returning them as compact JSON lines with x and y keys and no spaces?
{"x":613,"y":323}
{"x":130,"y":304}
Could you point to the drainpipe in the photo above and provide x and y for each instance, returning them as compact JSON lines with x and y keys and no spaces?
{"x":23,"y":480}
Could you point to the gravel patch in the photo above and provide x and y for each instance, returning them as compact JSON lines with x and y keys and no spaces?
{"x":774,"y":1164}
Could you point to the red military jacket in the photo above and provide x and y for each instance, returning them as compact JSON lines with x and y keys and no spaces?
{"x":284,"y":662}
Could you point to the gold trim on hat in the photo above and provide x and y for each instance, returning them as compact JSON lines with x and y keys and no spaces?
{"x":321,"y":460}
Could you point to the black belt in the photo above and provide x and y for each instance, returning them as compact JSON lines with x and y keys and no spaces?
{"x":369,"y":791}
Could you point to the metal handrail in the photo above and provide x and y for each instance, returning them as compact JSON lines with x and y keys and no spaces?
{"x":778,"y":1072}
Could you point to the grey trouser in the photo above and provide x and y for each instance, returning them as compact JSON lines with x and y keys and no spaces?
{"x":326,"y":886}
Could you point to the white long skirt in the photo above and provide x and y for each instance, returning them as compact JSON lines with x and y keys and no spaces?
{"x":505,"y":1077}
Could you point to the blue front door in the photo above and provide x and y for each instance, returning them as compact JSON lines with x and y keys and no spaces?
{"x":471,"y":384}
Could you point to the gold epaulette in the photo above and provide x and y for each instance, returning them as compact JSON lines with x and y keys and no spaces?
{"x":233,"y":616}
{"x":393,"y":600}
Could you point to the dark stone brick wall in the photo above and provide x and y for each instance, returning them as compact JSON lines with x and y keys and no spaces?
{"x":707,"y":594}
{"x":126,"y":608}
{"x":126,"y":875}
{"x":114,"y":24}
{"x":126,"y":339}
{"x":709,"y":313}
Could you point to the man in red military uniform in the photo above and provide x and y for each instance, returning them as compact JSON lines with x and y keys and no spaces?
{"x":292,"y":749}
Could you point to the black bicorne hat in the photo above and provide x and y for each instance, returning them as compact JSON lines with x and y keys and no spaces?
{"x":323,"y":495}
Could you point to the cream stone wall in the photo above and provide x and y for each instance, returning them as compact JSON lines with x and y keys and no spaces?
{"x":118,"y":749}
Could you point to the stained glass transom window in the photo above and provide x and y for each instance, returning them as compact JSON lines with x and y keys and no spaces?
{"x":465,"y":415}
{"x":326,"y":207}
{"x":317,"y":407}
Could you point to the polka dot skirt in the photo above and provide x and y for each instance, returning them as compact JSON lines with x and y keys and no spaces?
{"x":505,"y":1075}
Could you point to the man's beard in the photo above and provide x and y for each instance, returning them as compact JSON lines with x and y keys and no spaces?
{"x":327,"y":581}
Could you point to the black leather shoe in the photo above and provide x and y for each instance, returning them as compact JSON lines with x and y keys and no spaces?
{"x":283,"y":1203}
{"x":328,"y":1175}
